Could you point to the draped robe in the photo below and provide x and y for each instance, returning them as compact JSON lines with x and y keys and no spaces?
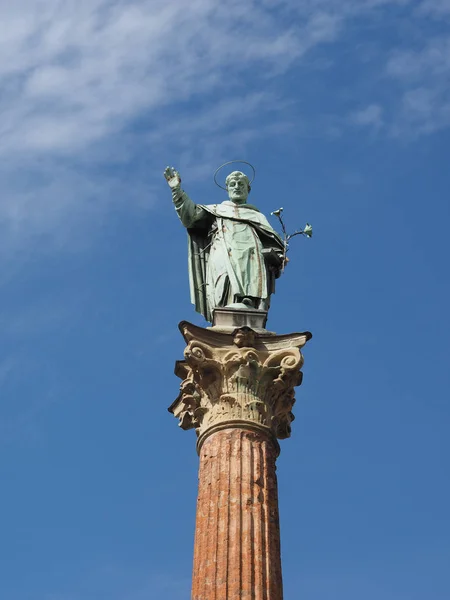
{"x":233,"y":253}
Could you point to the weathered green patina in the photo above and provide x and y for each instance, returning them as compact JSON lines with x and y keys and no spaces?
{"x":234,"y":253}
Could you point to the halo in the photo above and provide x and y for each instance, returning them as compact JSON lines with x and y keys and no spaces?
{"x":229,"y":163}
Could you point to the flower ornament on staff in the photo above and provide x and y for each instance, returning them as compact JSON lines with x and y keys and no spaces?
{"x":307,"y":231}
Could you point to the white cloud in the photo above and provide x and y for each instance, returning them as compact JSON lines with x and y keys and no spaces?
{"x":88,"y":82}
{"x":369,"y":116}
{"x":75,"y":73}
{"x":432,"y":60}
{"x":424,"y":77}
{"x":436,"y":8}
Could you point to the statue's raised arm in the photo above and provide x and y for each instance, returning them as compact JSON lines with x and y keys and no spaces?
{"x":190,"y":214}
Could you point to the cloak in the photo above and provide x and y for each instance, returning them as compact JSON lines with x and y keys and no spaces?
{"x":199,"y":240}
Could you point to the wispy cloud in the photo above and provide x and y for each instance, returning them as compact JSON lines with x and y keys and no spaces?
{"x":89,"y":83}
{"x":435,"y":7}
{"x":431,"y":60}
{"x":77,"y":75}
{"x":370,"y":116}
{"x":424,"y":77}
{"x":75,"y":72}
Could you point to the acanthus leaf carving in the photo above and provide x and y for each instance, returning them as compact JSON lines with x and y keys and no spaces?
{"x":238,"y":377}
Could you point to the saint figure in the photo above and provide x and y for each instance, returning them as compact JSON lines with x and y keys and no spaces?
{"x":234,"y":254}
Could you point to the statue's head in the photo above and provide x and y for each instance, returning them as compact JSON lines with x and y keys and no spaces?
{"x":238,"y":187}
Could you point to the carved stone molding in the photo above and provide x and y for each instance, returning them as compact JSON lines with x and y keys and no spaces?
{"x":238,"y":379}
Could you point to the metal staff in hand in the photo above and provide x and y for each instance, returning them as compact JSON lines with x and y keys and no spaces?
{"x":306,"y":231}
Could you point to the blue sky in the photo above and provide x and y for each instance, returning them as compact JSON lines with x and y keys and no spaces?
{"x":344,"y":109}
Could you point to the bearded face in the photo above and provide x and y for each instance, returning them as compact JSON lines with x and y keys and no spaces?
{"x":238,"y":187}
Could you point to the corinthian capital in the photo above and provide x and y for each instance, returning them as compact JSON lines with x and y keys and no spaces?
{"x":240,"y":379}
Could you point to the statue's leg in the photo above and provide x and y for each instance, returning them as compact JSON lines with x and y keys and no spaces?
{"x":219,"y":288}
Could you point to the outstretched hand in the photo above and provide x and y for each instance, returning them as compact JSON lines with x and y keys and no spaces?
{"x":172,"y":177}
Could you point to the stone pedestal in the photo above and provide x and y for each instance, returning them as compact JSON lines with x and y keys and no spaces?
{"x":227,"y":319}
{"x":237,"y":392}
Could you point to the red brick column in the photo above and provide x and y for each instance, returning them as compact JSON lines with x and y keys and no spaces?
{"x":237,"y":539}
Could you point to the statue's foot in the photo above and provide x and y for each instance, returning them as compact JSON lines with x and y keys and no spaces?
{"x":248,"y":302}
{"x":244,"y":302}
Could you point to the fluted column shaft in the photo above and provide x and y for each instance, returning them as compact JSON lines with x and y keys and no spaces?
{"x":237,"y":538}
